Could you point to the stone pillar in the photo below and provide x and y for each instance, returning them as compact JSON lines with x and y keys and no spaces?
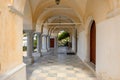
{"x":74,"y":41}
{"x":48,"y":42}
{"x":44,"y":43}
{"x":56,"y":45}
{"x":29,"y":58}
{"x":70,"y":45}
{"x":39,"y":43}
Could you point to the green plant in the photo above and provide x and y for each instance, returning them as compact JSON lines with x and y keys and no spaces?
{"x":24,"y":48}
{"x":63,"y":38}
{"x":63,"y":35}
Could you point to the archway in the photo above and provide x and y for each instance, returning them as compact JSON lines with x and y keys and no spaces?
{"x":64,"y":39}
{"x":93,"y":43}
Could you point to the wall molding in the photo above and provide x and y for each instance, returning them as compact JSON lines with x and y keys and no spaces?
{"x":14,"y":10}
{"x":8,"y":74}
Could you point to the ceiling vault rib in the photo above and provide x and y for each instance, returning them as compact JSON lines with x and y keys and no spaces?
{"x":59,"y":8}
{"x":31,"y":7}
{"x":61,"y":23}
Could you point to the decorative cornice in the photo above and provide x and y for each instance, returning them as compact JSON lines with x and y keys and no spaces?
{"x":14,"y":10}
{"x":38,"y":33}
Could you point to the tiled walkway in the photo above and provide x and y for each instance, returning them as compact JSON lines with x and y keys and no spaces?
{"x":56,"y":65}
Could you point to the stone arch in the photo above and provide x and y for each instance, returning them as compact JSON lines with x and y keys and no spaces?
{"x":45,"y":18}
{"x":70,"y":19}
{"x":87,"y":32}
{"x":60,"y":29}
{"x":27,"y":19}
{"x":44,"y":4}
{"x":55,"y":19}
{"x":21,"y":5}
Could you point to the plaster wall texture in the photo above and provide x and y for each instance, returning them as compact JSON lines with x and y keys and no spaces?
{"x":107,"y":48}
{"x":81,"y":46}
{"x":15,"y":74}
{"x":11,"y":30}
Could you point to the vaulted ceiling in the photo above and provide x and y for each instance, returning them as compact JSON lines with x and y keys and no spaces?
{"x":39,"y":12}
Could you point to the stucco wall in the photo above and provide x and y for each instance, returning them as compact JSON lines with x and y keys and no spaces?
{"x":108,"y":49}
{"x":11,"y":29}
{"x":81,"y":46}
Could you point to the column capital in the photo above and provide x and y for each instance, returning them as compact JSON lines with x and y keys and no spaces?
{"x":38,"y":33}
{"x":44,"y":35}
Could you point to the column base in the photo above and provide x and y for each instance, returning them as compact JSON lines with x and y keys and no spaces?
{"x":28,"y":60}
{"x":15,"y":74}
{"x":48,"y":49}
{"x":44,"y":50}
{"x":40,"y":53}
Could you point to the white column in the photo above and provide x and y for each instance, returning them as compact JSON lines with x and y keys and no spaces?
{"x":74,"y":41}
{"x":70,"y":42}
{"x":48,"y":42}
{"x":44,"y":43}
{"x":29,"y":58}
{"x":39,"y":43}
{"x":55,"y":41}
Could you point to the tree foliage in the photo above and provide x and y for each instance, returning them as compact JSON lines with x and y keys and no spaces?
{"x":63,"y":35}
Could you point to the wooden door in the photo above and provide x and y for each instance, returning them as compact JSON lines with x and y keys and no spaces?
{"x":93,"y":43}
{"x":52,"y":42}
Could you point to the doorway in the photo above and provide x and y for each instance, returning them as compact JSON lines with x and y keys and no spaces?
{"x":93,"y":43}
{"x":52,"y":43}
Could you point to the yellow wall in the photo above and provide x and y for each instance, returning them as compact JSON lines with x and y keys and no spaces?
{"x":10,"y":38}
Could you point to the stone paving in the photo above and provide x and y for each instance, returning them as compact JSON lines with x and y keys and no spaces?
{"x":57,"y":65}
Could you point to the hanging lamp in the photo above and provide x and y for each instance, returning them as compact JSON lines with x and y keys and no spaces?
{"x":57,"y":2}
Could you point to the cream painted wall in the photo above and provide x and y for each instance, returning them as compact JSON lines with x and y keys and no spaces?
{"x":11,"y":28}
{"x":108,"y":49}
{"x":81,"y":49}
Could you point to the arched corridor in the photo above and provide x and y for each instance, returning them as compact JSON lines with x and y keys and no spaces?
{"x":30,"y":44}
